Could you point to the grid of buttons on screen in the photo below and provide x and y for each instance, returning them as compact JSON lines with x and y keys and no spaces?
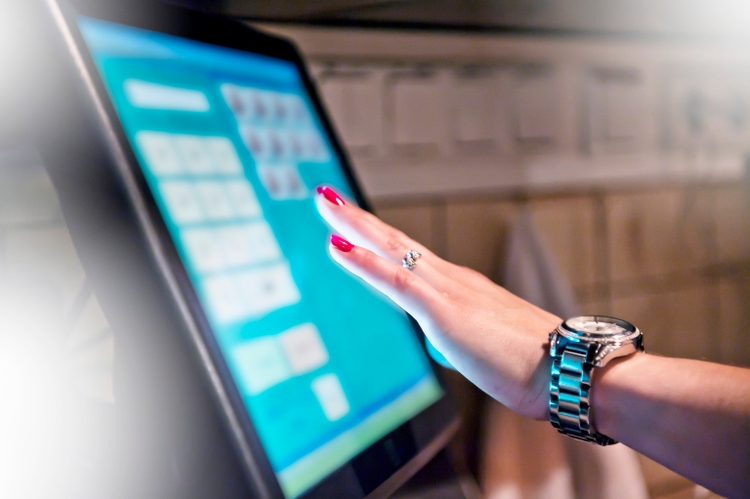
{"x":222,"y":228}
{"x":277,"y":130}
{"x":211,"y":187}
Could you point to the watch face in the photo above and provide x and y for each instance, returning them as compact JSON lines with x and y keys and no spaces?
{"x":598,"y":327}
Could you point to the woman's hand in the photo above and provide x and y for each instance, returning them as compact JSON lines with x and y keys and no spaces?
{"x":495,"y":339}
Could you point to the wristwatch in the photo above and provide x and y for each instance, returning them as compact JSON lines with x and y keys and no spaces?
{"x":577,"y":346}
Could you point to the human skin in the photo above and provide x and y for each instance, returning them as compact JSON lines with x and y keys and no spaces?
{"x":691,"y":416}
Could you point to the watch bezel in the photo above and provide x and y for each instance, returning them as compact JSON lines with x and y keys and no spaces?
{"x":572,"y":333}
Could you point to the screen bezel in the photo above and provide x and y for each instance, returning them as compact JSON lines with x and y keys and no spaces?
{"x":421,"y":436}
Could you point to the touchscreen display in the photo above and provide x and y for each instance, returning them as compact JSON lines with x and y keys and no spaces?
{"x":232,"y":150}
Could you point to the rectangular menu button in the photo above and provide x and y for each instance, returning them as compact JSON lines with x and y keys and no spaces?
{"x":267,"y":289}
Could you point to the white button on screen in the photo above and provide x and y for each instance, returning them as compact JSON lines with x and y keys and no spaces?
{"x":182,"y":202}
{"x":235,"y":100}
{"x":249,"y":244}
{"x":224,"y":155}
{"x":282,"y":181}
{"x":304,"y":348}
{"x":257,"y":141}
{"x":158,"y":150}
{"x":272,"y":180}
{"x":204,"y":249}
{"x":262,"y":242}
{"x":330,"y":394}
{"x":294,"y":185}
{"x":267,"y":289}
{"x":224,"y":299}
{"x":214,"y":200}
{"x":278,"y":143}
{"x":235,"y":245}
{"x":261,"y":364}
{"x":149,"y":95}
{"x":258,"y":104}
{"x":279,"y":109}
{"x":296,"y":145}
{"x":242,"y":197}
{"x":194,"y":154}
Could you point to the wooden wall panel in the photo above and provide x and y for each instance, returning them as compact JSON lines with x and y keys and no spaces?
{"x":733,"y":223}
{"x":418,"y":221}
{"x":677,"y":323}
{"x":567,"y":227}
{"x":658,"y":232}
{"x":477,"y":234}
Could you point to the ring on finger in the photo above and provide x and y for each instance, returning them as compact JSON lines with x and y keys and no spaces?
{"x":410,"y":260}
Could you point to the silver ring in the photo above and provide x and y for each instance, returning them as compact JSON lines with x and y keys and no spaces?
{"x":410,"y":260}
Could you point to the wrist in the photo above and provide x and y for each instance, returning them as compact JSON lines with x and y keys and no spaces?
{"x":607,"y":388}
{"x":539,"y":389}
{"x":539,"y":392}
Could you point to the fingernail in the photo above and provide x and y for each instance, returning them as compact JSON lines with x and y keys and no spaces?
{"x":330,"y":195}
{"x":341,"y":244}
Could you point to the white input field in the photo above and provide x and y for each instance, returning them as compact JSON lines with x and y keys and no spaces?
{"x":304,"y":348}
{"x":330,"y":394}
{"x":145,"y":94}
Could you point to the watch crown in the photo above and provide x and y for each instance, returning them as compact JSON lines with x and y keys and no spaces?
{"x":552,"y":343}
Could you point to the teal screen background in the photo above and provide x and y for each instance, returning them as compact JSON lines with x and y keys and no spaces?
{"x":325,"y":365}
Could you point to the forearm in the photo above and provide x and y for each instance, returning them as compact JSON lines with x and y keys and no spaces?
{"x":691,"y":416}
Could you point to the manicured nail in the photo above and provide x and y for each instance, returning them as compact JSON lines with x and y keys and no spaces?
{"x":341,"y":244}
{"x":330,"y":195}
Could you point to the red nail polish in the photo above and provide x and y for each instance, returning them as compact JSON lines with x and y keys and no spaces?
{"x":330,"y":195}
{"x":341,"y":244}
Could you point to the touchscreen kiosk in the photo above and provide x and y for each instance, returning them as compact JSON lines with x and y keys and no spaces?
{"x":225,"y":142}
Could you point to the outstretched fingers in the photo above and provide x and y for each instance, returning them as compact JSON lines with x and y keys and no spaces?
{"x":408,"y":290}
{"x":365,"y":229}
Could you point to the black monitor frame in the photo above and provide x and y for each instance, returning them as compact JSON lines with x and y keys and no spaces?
{"x":378,"y":470}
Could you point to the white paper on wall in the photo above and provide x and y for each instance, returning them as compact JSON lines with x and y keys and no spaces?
{"x":356,"y":106}
{"x":417,"y":116}
{"x":536,"y":107}
{"x":476,"y":104}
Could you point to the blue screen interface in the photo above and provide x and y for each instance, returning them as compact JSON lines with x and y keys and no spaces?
{"x":232,"y":150}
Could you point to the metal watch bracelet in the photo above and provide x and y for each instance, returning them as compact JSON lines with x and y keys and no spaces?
{"x":570,"y":387}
